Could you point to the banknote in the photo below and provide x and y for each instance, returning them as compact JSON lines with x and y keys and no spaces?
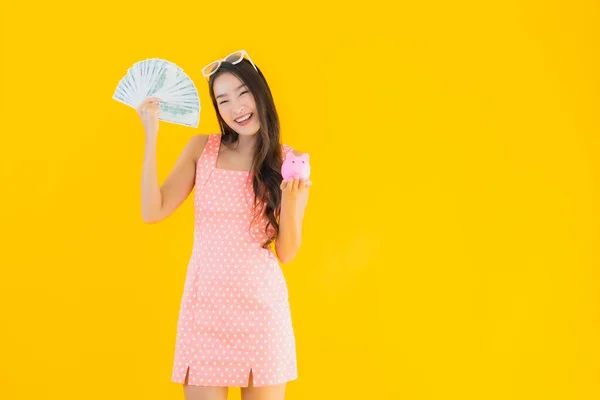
{"x":156,"y":77}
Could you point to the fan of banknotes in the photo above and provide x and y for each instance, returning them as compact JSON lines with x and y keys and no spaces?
{"x":155,"y":77}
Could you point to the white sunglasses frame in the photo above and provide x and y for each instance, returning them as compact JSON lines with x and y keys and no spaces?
{"x":244,"y":54}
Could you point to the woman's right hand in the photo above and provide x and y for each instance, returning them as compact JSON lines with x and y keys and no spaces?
{"x":148,"y":112}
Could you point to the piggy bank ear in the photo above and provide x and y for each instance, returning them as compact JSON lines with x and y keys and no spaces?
{"x":304,"y":156}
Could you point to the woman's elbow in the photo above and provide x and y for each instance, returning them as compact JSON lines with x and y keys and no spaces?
{"x":285,"y":260}
{"x":287,"y":256}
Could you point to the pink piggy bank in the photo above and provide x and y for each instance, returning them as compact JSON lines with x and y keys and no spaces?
{"x":296,"y":166}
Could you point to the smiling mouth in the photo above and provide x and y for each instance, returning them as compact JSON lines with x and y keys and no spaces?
{"x":244,"y":120}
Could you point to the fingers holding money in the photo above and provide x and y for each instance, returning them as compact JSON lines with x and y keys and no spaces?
{"x":150,"y":106}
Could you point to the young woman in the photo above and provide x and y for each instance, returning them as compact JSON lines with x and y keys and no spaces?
{"x":234,"y":327}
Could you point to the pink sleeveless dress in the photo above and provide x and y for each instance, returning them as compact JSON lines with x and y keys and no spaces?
{"x":234,"y":313}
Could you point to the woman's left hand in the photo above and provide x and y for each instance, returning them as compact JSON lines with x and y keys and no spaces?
{"x":295,"y":189}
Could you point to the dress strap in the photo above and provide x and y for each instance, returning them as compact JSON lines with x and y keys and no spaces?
{"x":208,"y":159}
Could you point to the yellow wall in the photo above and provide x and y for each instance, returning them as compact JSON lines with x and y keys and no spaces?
{"x":451,"y":240}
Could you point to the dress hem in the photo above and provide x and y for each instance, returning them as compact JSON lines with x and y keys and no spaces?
{"x":213,"y":384}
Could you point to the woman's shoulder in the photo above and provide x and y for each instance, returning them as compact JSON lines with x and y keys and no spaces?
{"x":197,"y":143}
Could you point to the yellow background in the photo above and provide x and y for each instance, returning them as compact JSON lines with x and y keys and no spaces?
{"x":451,"y":239}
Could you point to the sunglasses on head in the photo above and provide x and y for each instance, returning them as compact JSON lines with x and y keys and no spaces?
{"x":233,"y":58}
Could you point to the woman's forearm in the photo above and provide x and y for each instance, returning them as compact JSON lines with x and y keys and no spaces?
{"x":289,"y":239}
{"x":151,"y":196}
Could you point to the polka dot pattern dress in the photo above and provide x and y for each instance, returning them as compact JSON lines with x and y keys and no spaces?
{"x":234,"y":313}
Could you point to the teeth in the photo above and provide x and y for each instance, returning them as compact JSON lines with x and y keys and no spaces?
{"x":243,"y":119}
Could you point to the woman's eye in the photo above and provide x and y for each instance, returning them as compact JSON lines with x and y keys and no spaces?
{"x":225,"y":101}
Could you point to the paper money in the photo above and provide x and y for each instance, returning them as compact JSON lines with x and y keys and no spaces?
{"x":155,"y":77}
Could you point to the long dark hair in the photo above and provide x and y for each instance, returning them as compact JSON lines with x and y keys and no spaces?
{"x":268,"y":157}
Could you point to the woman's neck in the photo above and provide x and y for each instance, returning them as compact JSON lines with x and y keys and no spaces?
{"x":246,"y":144}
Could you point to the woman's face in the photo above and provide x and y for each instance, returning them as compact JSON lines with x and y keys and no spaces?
{"x":235,"y":104}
